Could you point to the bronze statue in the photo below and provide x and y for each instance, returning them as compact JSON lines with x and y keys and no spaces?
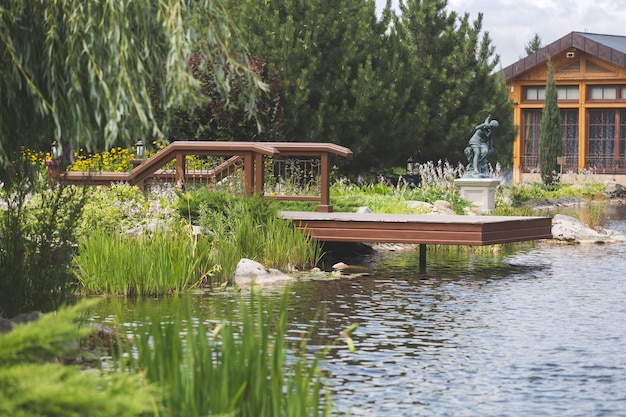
{"x":480,"y":147}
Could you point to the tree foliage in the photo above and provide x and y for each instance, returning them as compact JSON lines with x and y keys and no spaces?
{"x":86,"y":73}
{"x":407,"y":85}
{"x":533,"y":45}
{"x":550,"y":141}
{"x":450,"y":73}
{"x":217,"y":119}
{"x":328,"y":57}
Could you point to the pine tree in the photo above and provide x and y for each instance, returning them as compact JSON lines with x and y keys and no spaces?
{"x":328,"y":55}
{"x":533,"y":45}
{"x":550,"y":141}
{"x":409,"y":85}
{"x":450,"y":73}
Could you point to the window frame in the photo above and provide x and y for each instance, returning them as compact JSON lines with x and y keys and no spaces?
{"x":618,"y":89}
{"x":541,"y":93}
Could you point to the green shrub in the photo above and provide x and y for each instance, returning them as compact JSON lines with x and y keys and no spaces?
{"x":384,"y":198}
{"x":37,"y":244}
{"x":189,"y":203}
{"x":535,"y":191}
{"x":122,"y":207}
{"x":31,"y":387}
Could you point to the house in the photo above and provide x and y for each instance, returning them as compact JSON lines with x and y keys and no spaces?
{"x":590,"y":74}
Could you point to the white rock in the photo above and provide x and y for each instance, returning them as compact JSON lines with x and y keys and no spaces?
{"x":614,"y":188}
{"x":363,"y":210}
{"x":569,"y":229}
{"x":443,"y":207}
{"x":415,"y":204}
{"x":340,"y":266}
{"x":249,"y":272}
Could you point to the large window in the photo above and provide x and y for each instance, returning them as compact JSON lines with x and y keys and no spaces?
{"x":606,"y":93}
{"x":569,"y":133}
{"x":530,"y":139}
{"x":538,"y":93}
{"x":607,"y":139}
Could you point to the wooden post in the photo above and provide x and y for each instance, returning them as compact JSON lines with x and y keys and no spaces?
{"x":259,"y":170}
{"x":324,"y":205}
{"x":180,"y":169}
{"x":54,"y":172}
{"x":248,"y":172}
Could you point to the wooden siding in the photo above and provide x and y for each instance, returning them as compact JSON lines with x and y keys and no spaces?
{"x":592,"y":63}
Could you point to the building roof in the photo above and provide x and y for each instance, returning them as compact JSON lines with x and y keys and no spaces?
{"x":611,"y":48}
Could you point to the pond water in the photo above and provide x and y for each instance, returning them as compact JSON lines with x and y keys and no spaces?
{"x":538,"y":331}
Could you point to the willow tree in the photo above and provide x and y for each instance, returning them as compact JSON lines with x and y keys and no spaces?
{"x":91,"y":73}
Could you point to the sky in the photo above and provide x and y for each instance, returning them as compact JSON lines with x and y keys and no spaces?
{"x":513,"y":23}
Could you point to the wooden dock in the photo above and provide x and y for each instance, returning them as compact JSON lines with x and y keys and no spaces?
{"x":420,"y":229}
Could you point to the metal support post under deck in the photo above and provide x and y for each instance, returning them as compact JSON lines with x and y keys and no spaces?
{"x":422,"y":258}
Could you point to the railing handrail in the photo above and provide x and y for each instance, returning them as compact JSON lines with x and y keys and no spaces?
{"x":251,"y":153}
{"x":311,"y":148}
{"x":167,"y":154}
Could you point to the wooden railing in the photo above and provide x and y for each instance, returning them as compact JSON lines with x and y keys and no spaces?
{"x":309,"y":162}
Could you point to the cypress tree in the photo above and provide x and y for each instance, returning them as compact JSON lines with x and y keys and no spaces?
{"x":550,"y":141}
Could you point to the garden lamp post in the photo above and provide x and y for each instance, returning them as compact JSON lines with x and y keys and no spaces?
{"x":54,"y":164}
{"x":140,"y":154}
{"x":140,"y":150}
{"x":409,"y":167}
{"x":411,"y":171}
{"x":55,"y":150}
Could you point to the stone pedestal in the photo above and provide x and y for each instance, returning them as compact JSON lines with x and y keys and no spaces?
{"x":480,"y":191}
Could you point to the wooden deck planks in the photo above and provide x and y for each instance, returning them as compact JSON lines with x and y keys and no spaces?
{"x":420,"y":229}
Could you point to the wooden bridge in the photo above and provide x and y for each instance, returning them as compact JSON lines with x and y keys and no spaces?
{"x":309,"y":161}
{"x":323,"y":225}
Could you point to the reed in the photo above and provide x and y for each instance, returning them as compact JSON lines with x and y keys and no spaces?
{"x":239,"y":367}
{"x":163,"y":262}
{"x":594,"y":212}
{"x":246,"y":228}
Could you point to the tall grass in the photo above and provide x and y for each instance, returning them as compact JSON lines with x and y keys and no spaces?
{"x":594,"y":213}
{"x":248,"y":228}
{"x":163,"y":262}
{"x":243,"y":369}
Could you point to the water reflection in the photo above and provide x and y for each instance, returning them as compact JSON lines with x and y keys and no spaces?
{"x":538,"y":330}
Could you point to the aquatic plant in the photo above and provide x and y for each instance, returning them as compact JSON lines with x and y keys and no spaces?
{"x":594,"y":212}
{"x":247,"y":227}
{"x":240,"y":367}
{"x":152,"y":263}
